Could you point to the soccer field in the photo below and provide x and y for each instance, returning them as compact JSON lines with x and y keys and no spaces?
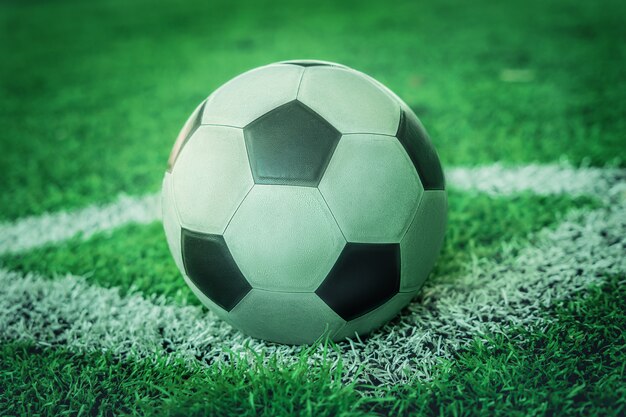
{"x":524,"y":313}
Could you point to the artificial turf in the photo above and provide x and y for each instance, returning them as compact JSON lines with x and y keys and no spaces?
{"x":571,"y":364}
{"x":58,"y":382}
{"x":93,"y":93}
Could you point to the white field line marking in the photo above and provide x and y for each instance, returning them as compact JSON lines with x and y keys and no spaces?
{"x":450,"y":312}
{"x":540,"y":179}
{"x":32,"y":232}
{"x":35,"y":231}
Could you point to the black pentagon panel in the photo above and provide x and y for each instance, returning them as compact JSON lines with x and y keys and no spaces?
{"x":364,"y":277}
{"x":211,"y":267}
{"x":311,"y":63}
{"x":290,"y":145}
{"x":413,"y":137}
{"x":191,"y":125}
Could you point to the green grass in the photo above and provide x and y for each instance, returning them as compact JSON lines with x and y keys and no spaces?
{"x":479,"y":224}
{"x":55,"y":382}
{"x":134,"y":255}
{"x":93,"y":93}
{"x":573,"y":365}
{"x":137,"y":255}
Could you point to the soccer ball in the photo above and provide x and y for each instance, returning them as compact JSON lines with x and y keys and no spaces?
{"x":302,"y":199}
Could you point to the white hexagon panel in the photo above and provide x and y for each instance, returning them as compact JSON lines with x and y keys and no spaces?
{"x":422,"y":242}
{"x":252,"y":94}
{"x":372,"y":188}
{"x":349,"y":101}
{"x":275,"y":315}
{"x":284,"y":238}
{"x":211,"y":177}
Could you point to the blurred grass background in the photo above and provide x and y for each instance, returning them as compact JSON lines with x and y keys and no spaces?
{"x":94,"y":93}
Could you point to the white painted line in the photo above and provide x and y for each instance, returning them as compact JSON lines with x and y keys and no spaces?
{"x":450,"y":312}
{"x":497,"y":179}
{"x":32,"y":232}
{"x":35,"y":231}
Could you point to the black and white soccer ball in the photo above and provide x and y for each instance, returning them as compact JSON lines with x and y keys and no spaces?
{"x":304,"y":198}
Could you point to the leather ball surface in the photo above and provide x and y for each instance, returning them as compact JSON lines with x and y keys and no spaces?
{"x":304,"y":198}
